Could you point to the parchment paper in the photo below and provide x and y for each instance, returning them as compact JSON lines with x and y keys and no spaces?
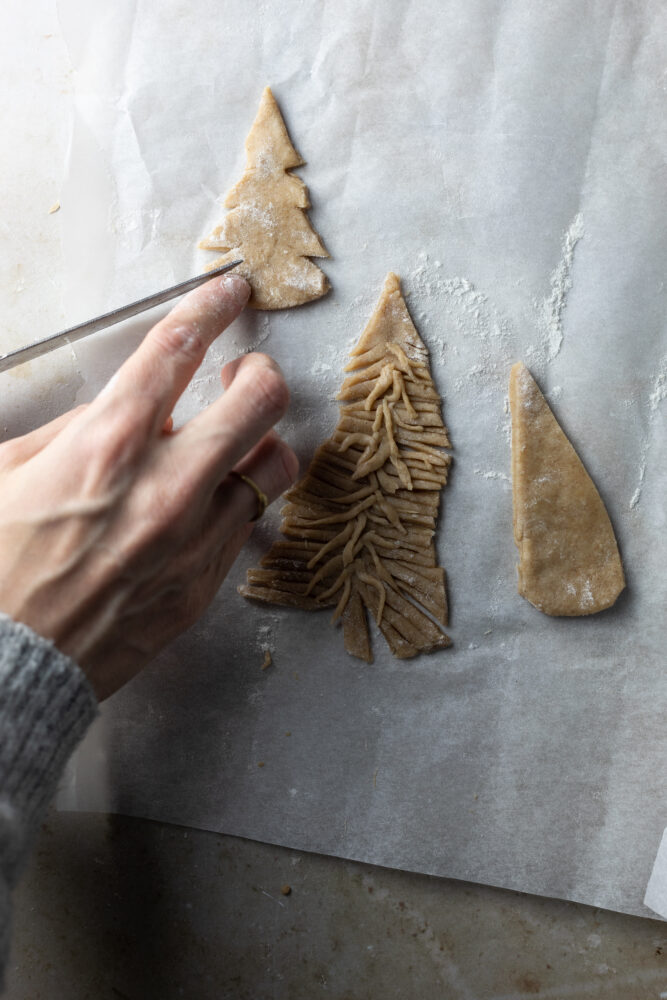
{"x":507,"y":160}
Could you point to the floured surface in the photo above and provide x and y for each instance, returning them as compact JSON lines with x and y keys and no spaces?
{"x":568,"y":557}
{"x":360,"y":524}
{"x":530,"y":754}
{"x":266,"y":226}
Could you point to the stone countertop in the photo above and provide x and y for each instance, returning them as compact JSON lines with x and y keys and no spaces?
{"x":123,"y":908}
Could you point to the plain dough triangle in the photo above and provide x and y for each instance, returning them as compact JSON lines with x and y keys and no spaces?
{"x":569,"y":561}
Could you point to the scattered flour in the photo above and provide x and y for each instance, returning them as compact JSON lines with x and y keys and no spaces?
{"x":636,"y":496}
{"x":321,"y":368}
{"x":484,"y":335}
{"x":550,"y":309}
{"x":659,"y":388}
{"x":491,"y":474}
{"x":474,"y":343}
{"x":264,"y":637}
{"x":489,"y":337}
{"x":655,"y":398}
{"x":586,"y":597}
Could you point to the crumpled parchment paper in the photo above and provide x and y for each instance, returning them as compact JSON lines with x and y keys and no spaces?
{"x":506,"y":159}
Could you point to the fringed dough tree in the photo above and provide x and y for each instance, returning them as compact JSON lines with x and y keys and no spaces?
{"x":359,"y":525}
{"x":267,"y":225}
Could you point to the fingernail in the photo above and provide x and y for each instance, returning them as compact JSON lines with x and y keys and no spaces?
{"x":237,"y":287}
{"x":271,"y":363}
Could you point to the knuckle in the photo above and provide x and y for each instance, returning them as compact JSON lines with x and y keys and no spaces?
{"x":270,"y":392}
{"x":184,"y":340}
{"x":157,"y":545}
{"x":11,"y":453}
{"x":166,"y":515}
{"x":109,"y":435}
{"x":109,"y":443}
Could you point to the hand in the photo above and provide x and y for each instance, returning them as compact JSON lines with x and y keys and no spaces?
{"x":115,"y":531}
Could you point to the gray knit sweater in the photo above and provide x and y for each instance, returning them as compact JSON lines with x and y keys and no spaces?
{"x":46,"y":705}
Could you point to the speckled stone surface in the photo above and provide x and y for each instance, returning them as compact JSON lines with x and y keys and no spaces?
{"x":131,"y":910}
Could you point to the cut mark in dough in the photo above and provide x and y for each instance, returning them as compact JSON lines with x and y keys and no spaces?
{"x":267,"y":225}
{"x":568,"y":557}
{"x":359,"y":525}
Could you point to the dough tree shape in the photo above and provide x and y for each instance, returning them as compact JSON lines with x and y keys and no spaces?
{"x":359,"y":525}
{"x":568,"y":557}
{"x":267,"y":225}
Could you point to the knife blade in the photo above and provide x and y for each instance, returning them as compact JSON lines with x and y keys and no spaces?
{"x":74,"y":333}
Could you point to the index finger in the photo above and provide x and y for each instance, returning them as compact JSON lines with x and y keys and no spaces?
{"x":154,"y":377}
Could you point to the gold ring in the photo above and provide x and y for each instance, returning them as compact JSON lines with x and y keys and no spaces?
{"x":262,"y":499}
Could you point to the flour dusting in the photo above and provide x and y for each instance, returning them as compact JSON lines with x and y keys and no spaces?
{"x":634,"y":500}
{"x":484,"y":334}
{"x":659,"y":388}
{"x":474,"y":342}
{"x":492,"y":474}
{"x":265,"y":637}
{"x":550,"y":309}
{"x":655,"y":397}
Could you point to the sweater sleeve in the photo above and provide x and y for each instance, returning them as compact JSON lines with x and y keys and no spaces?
{"x":46,"y":705}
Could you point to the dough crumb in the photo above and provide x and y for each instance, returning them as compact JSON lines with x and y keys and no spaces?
{"x":268,"y":661}
{"x":54,"y":208}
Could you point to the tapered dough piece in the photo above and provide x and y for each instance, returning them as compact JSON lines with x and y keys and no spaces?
{"x":359,"y":525}
{"x":568,"y":557}
{"x":267,"y":226}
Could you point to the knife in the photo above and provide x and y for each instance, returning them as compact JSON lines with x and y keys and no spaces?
{"x":74,"y":333}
